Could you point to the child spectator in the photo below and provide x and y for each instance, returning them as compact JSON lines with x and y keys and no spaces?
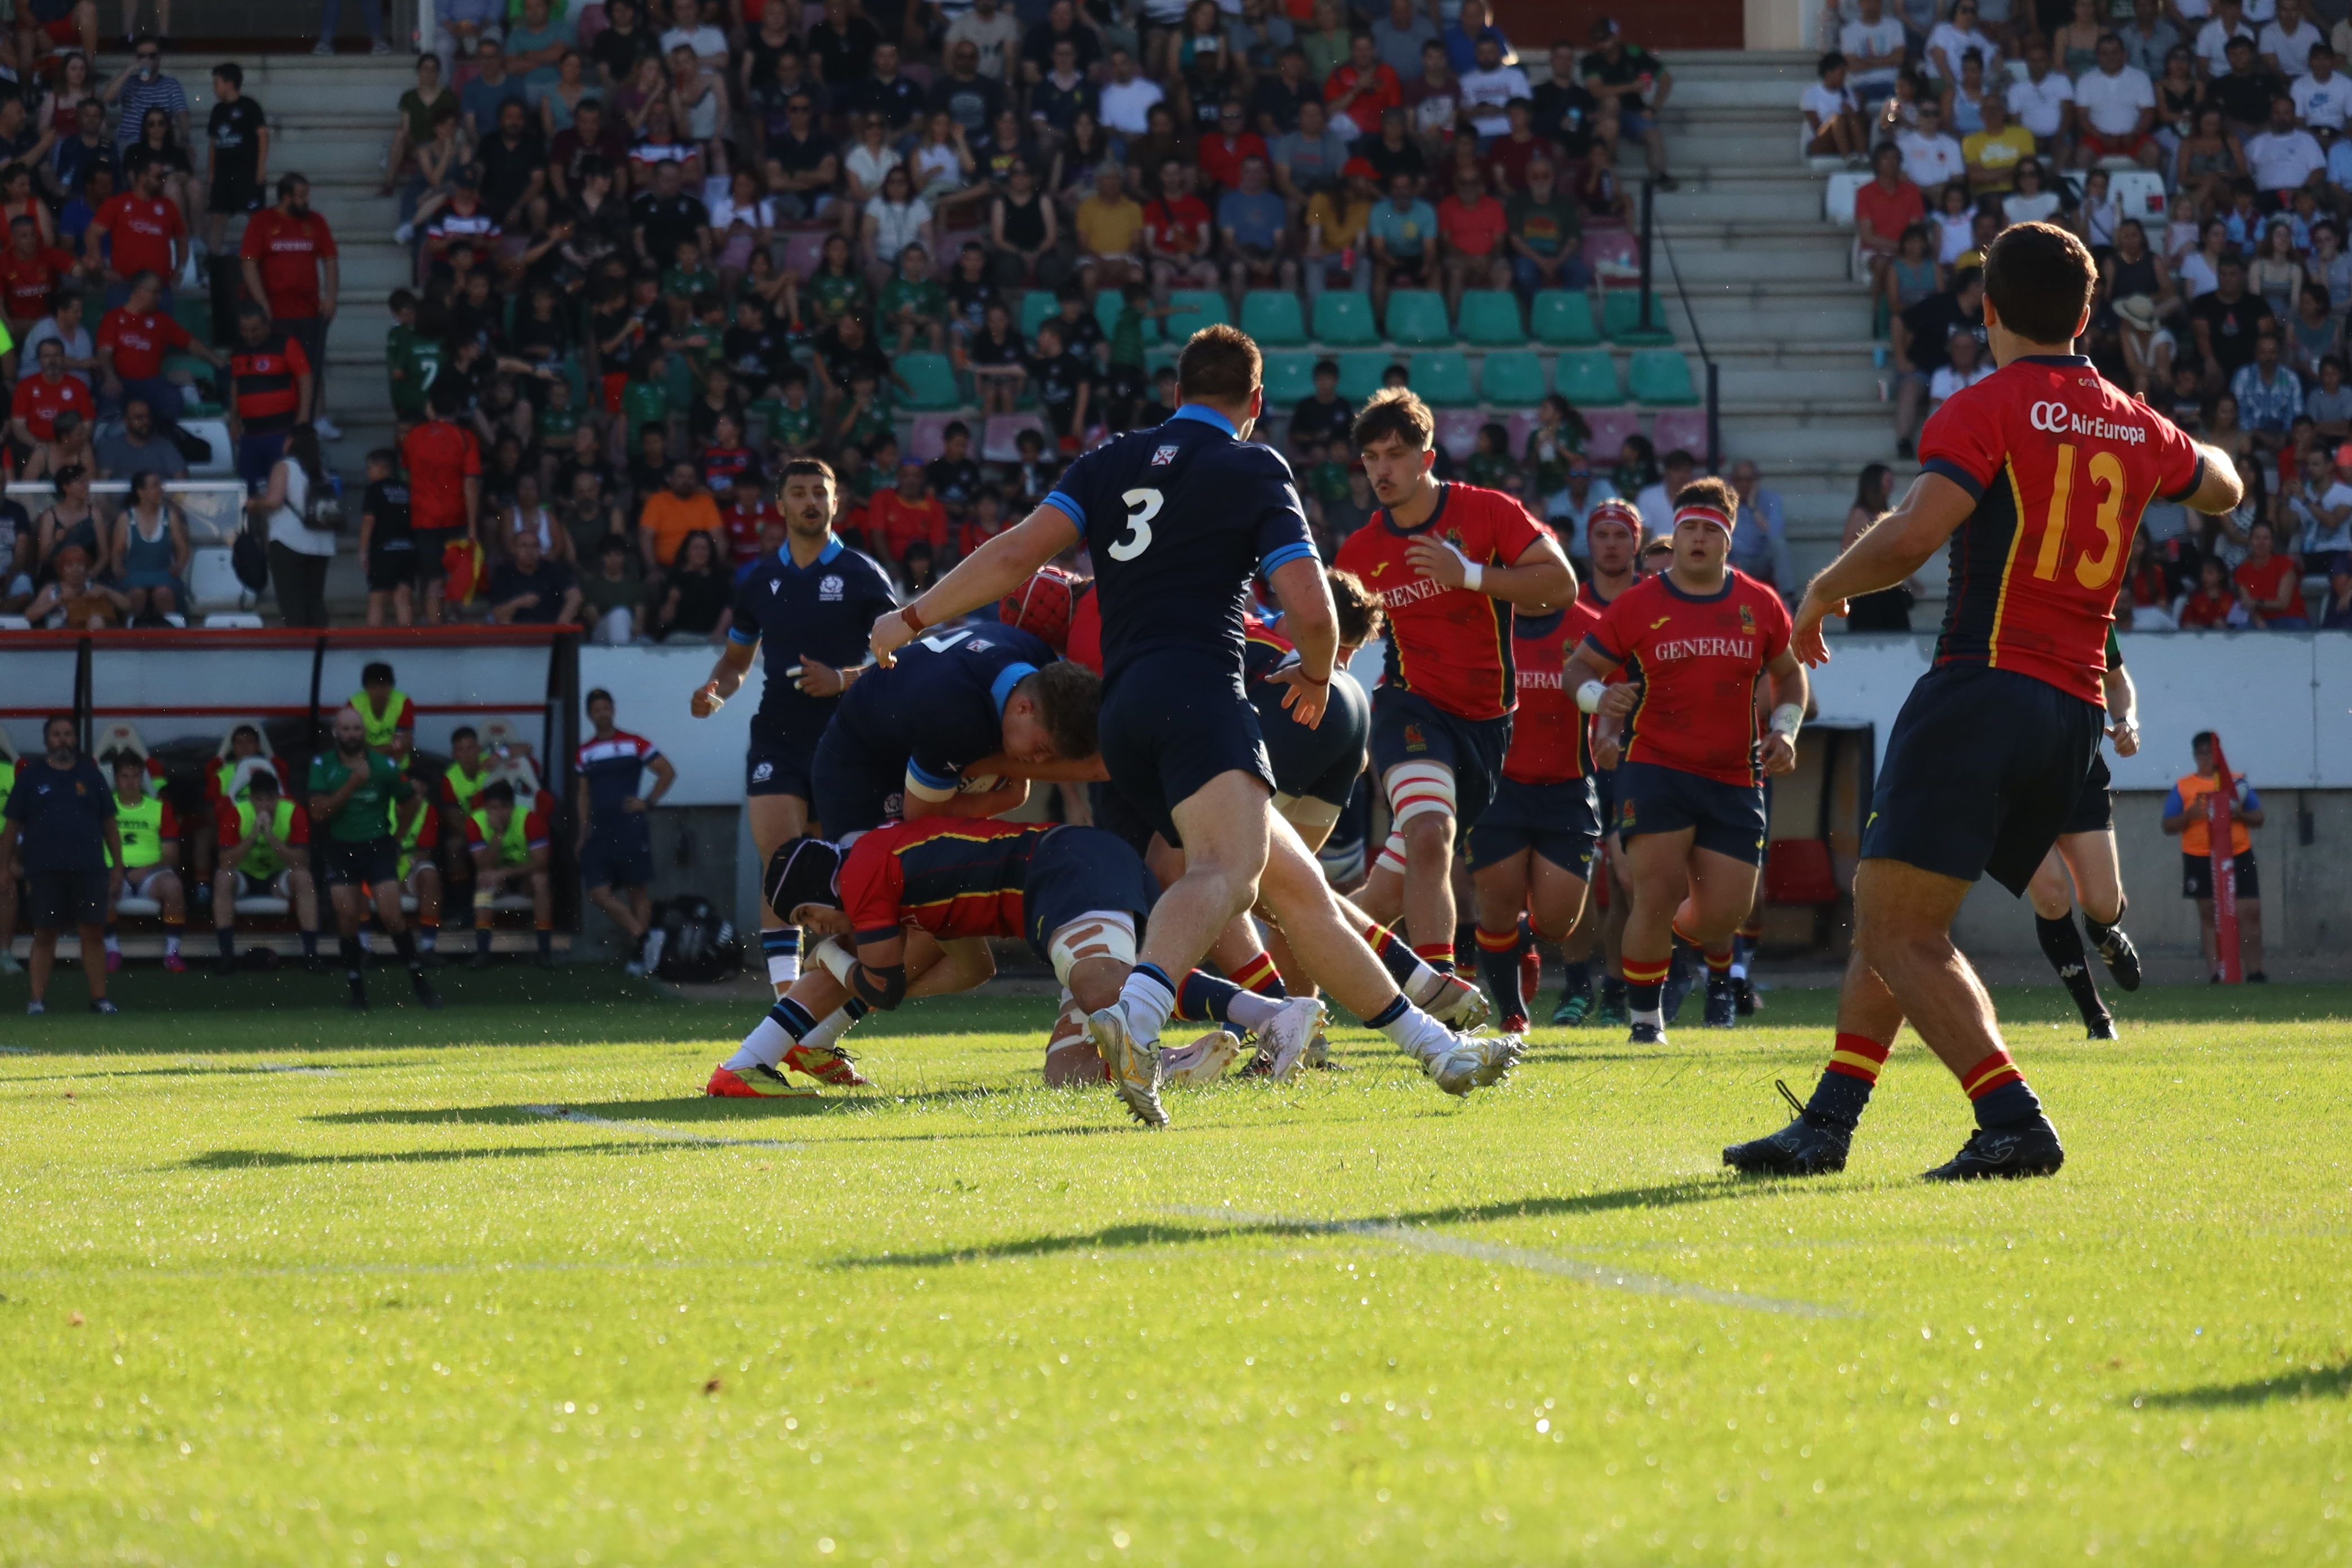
{"x":901,"y":517}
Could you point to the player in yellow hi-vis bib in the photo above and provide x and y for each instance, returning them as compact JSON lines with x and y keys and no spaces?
{"x":151,"y":859}
{"x":265,"y":842}
{"x":383,"y":709}
{"x":510,"y":845}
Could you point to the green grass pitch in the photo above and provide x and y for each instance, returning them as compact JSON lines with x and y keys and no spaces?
{"x":377,"y":1311}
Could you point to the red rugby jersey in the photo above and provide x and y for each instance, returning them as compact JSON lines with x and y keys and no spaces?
{"x":1698,"y":660}
{"x":2060,"y":462}
{"x":1450,"y":644}
{"x":1084,"y":644}
{"x":1266,"y":650}
{"x":949,"y":876}
{"x":1548,"y":738}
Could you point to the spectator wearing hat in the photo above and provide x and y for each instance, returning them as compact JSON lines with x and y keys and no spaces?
{"x":1635,"y":83}
{"x":60,"y":824}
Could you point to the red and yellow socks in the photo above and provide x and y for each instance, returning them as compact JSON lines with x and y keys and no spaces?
{"x":1999,"y":1092}
{"x":1260,"y":975}
{"x":1853,"y":1071}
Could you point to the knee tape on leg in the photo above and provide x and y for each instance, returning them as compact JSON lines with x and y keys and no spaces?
{"x":1417,"y":789}
{"x":832,"y":956}
{"x":1392,"y":855}
{"x":1098,"y":933}
{"x":1307,"y":812}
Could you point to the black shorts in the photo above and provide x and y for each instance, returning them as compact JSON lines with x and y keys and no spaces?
{"x":62,"y":899}
{"x":1116,"y":815}
{"x":849,"y":788}
{"x":1604,"y":798}
{"x":618,"y":853}
{"x":1727,"y":819}
{"x":368,"y":864}
{"x":779,"y":764}
{"x":1561,"y":822}
{"x":1324,"y":762}
{"x":391,"y":569}
{"x":2197,"y":876}
{"x":1171,"y":721}
{"x":1409,"y":728}
{"x":432,"y":560}
{"x":1981,"y":770}
{"x":1077,"y":871}
{"x":2095,"y":808}
{"x":233,"y":193}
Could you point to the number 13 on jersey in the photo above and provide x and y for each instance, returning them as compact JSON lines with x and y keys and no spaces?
{"x":2102,"y":558}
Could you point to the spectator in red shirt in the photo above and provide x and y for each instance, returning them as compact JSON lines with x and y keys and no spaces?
{"x":444,"y":460}
{"x":1508,"y":156}
{"x":148,"y":233}
{"x":1884,"y":208}
{"x":747,"y":519}
{"x":1176,"y":234}
{"x":1471,"y":224}
{"x":2211,"y":604}
{"x":290,"y":266}
{"x":1364,"y":87}
{"x":902,"y":518}
{"x":270,"y":381}
{"x":2270,"y":585}
{"x":131,"y":343}
{"x":28,"y":275}
{"x":1226,"y":149}
{"x":39,"y":398}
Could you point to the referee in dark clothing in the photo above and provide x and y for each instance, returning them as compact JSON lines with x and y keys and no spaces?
{"x":62,"y":811}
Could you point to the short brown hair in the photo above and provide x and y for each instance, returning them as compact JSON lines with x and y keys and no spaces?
{"x":1068,"y":696}
{"x":1395,"y":411}
{"x":1220,"y":364}
{"x":2039,"y":279}
{"x":1709,"y":491}
{"x":1360,"y":613}
{"x":807,"y":469}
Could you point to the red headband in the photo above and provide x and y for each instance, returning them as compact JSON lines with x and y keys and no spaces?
{"x":1706,"y":514}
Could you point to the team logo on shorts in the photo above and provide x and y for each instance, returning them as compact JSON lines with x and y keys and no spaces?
{"x":764,"y":772}
{"x":1747,"y":619}
{"x":1164,"y":456}
{"x":829,"y":587}
{"x":1625,"y":814}
{"x":1413,"y":739}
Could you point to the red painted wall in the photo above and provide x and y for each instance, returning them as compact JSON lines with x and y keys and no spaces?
{"x":1533,"y":25}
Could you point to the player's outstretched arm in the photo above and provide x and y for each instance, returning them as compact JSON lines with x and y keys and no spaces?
{"x":2219,"y":489}
{"x":1889,"y":551}
{"x":1311,"y":621}
{"x":726,"y":679}
{"x":983,"y":577}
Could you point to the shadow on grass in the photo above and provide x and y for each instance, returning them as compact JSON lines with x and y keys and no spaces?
{"x":2329,"y":1383}
{"x":278,"y":1160}
{"x":698,"y":1110}
{"x":1665,"y":1195}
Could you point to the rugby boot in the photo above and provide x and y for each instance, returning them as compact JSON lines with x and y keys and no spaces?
{"x":1745,"y":993}
{"x":758,"y":1081}
{"x":1571,"y":1010}
{"x":2102,"y":1028}
{"x":2121,"y":958}
{"x":1645,"y":1034}
{"x":1134,"y":1064}
{"x":1458,"y":1005}
{"x":827,"y":1064}
{"x":1287,"y":1035}
{"x":1683,"y":970}
{"x":1472,"y":1061}
{"x":1722,"y":1003}
{"x":2029,"y":1149}
{"x":1204,"y":1061}
{"x":1812,"y":1145}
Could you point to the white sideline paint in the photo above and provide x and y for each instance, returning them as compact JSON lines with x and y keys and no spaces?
{"x":650,"y":1130}
{"x":1552,"y":1263}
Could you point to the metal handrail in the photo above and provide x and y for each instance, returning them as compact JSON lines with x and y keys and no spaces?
{"x":1698,"y":338}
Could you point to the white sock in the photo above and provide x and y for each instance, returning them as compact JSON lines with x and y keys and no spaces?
{"x":836,"y":1023}
{"x":1148,"y":1002}
{"x":1418,"y":1035}
{"x":1252,"y":1011}
{"x":113,"y":944}
{"x":1654,"y":1016}
{"x":1423,"y":986}
{"x":1739,"y":969}
{"x":764,"y":1047}
{"x":783,"y":957}
{"x":171,"y":945}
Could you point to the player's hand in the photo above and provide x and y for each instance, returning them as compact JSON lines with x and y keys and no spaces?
{"x":816,"y":679}
{"x":1779,"y":754}
{"x":633,"y":804}
{"x":890,"y":634}
{"x":1436,"y":561}
{"x":1805,"y":637}
{"x":2125,"y":733}
{"x":1618,"y":700}
{"x":1606,"y":749}
{"x":1306,"y":697}
{"x":707,"y":701}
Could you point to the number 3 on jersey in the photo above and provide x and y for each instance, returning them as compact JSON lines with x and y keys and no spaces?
{"x":2092,"y":571}
{"x":1142,"y":506}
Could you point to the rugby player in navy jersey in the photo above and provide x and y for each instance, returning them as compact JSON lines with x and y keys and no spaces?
{"x":808,"y":605}
{"x":1178,"y":519}
{"x":957,"y":726}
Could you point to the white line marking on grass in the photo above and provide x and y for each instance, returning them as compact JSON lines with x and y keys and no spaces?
{"x":1420,"y":1240}
{"x":652,"y":1129}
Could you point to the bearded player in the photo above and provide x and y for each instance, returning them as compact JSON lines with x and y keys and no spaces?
{"x":1690,"y":788}
{"x":2037,"y":476}
{"x":807,"y":606}
{"x":1452,"y":563}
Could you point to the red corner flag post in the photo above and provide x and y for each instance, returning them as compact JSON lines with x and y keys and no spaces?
{"x":2217,"y":805}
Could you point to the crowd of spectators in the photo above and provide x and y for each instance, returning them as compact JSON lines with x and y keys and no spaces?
{"x":2197,"y":148}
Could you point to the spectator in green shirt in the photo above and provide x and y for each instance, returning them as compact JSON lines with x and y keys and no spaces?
{"x":646,"y":399}
{"x":914,"y":302}
{"x":351,"y":792}
{"x":1546,"y":235}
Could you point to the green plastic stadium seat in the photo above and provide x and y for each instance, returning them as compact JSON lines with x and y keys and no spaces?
{"x":1417,"y":319}
{"x":1442,"y":377}
{"x":1660,"y":378}
{"x":1272,"y":316}
{"x":1289,"y":377}
{"x":1156,"y":355}
{"x":192,"y":308}
{"x":930,"y":381}
{"x":1190,"y":309}
{"x":1490,"y":319}
{"x":1622,"y":309}
{"x":1345,"y":320}
{"x":1588,"y":379}
{"x":1563,"y":319}
{"x":1360,"y":371}
{"x":1107,"y":306}
{"x":1036,"y":306}
{"x":1512,"y":379}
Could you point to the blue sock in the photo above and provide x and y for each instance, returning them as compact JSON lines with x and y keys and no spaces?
{"x":1204,"y":996}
